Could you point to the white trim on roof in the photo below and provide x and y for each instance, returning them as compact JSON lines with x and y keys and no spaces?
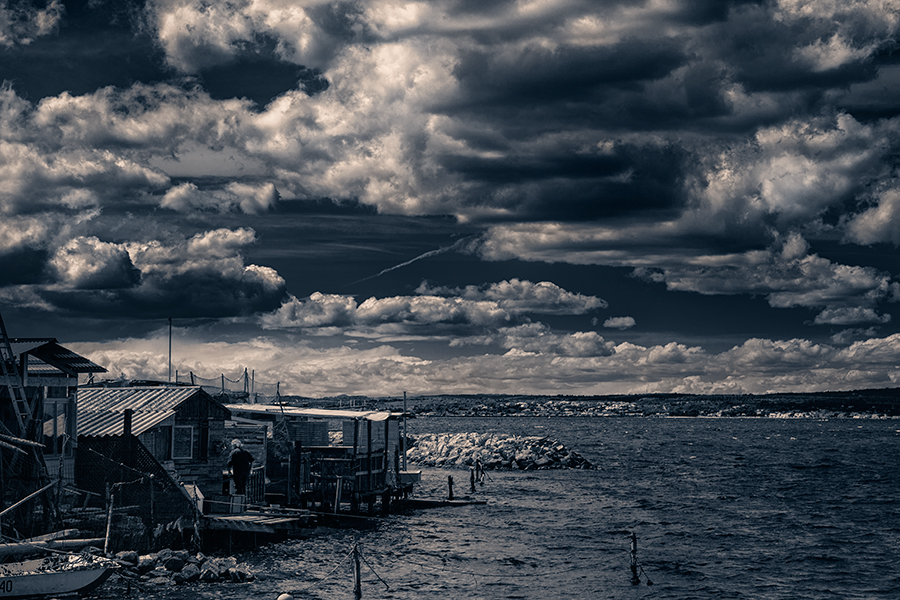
{"x":293,"y":411}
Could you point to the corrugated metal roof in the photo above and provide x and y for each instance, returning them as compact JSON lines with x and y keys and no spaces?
{"x":293,"y":411}
{"x":21,"y":346}
{"x":112,"y":422}
{"x":150,"y":398}
{"x":50,"y":352}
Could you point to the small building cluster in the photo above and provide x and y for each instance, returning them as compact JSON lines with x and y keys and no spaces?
{"x":155,"y":463}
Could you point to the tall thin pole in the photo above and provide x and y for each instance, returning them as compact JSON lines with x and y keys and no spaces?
{"x":170,"y":349}
{"x":404,"y":431}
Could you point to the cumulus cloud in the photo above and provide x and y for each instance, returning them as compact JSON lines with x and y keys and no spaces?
{"x":319,"y":310}
{"x":619,"y":323}
{"x":790,"y":278}
{"x":491,"y":305}
{"x":325,"y":310}
{"x":247,"y":198}
{"x":540,"y":339}
{"x":850,"y":316}
{"x":878,"y":223}
{"x":203,"y":276}
{"x":88,"y":263}
{"x":197,"y":34}
{"x":522,"y":296}
{"x":793,"y":172}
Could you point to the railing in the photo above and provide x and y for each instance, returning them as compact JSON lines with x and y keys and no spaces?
{"x":256,"y":486}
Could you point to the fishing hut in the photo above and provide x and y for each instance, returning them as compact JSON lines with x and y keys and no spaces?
{"x":333,"y":458}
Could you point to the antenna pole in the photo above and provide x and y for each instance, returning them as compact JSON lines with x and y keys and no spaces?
{"x":170,"y":349}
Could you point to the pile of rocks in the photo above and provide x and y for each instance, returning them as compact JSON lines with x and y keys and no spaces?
{"x":169,"y":567}
{"x":494,"y":451}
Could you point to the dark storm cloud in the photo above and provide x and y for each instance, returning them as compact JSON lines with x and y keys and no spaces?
{"x":571,"y":186}
{"x":767,"y":54}
{"x":538,"y":75}
{"x":201,"y":276}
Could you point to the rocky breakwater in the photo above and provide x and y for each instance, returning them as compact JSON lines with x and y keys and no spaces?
{"x":494,"y":451}
{"x":171,"y":567}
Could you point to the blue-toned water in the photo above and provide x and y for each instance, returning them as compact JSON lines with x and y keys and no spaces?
{"x":722,"y":508}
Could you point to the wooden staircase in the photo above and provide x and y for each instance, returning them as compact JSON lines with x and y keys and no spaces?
{"x":21,"y":406}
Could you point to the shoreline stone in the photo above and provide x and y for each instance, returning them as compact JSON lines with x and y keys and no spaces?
{"x":495,"y":451}
{"x":170,"y":567}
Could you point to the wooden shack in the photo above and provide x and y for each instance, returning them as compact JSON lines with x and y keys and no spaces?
{"x":334,"y":457}
{"x":182,"y":427}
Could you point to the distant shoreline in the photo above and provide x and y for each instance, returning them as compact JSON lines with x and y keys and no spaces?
{"x":858,"y":404}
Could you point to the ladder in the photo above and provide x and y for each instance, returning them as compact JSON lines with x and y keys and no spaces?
{"x":14,"y":383}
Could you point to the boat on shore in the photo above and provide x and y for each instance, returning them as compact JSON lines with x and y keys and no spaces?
{"x":52,"y":578}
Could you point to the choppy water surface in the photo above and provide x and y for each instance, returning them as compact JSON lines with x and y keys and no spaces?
{"x":723,"y":508}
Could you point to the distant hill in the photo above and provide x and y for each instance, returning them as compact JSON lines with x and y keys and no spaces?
{"x":857,"y":403}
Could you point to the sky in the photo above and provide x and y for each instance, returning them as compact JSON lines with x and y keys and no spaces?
{"x":457,"y":197}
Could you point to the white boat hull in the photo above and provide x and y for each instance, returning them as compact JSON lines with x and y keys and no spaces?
{"x":25,"y":580}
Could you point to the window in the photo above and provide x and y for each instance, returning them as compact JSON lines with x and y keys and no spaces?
{"x":182,"y":442}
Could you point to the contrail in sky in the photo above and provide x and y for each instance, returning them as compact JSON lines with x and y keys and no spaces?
{"x":428,"y":254}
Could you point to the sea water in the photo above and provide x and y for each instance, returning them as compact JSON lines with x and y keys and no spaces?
{"x":721,"y":508}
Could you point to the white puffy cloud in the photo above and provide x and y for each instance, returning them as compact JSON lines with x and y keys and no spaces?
{"x":18,"y":232}
{"x":327,"y":310}
{"x":619,"y":323}
{"x":878,"y":223}
{"x":248,"y":198}
{"x":851,"y":315}
{"x":791,"y":172}
{"x":522,"y":296}
{"x":492,"y":305}
{"x":319,"y":310}
{"x":88,"y":263}
{"x":197,"y":34}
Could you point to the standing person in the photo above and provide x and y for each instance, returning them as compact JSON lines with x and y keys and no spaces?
{"x":239,"y":460}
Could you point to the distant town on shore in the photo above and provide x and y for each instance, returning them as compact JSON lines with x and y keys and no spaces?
{"x":869,"y":403}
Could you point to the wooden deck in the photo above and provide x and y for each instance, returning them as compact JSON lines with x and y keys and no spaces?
{"x":259,"y":521}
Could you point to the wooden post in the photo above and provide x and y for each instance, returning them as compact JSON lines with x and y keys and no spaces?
{"x":109,"y":512}
{"x":472,"y":479}
{"x":635,"y":580}
{"x":450,"y":487}
{"x":357,"y":574}
{"x":152,"y":505}
{"x":337,"y":494}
